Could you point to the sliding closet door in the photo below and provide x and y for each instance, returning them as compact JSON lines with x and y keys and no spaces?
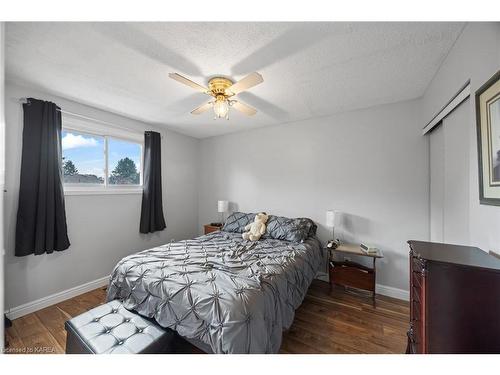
{"x":449,"y":172}
{"x":456,"y":175}
{"x":437,"y":183}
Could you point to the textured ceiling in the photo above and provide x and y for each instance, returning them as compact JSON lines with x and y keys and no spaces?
{"x":309,"y":69}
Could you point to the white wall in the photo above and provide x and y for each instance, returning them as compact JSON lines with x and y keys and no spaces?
{"x":2,"y":173}
{"x":370,"y":164}
{"x":475,"y":56}
{"x":102,"y":228}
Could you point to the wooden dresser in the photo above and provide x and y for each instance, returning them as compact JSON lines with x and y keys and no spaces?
{"x":454,"y":299}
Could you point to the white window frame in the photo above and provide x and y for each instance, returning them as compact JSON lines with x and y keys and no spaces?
{"x":88,"y":127}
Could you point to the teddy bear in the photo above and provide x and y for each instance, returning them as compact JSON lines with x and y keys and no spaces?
{"x":256,"y":229}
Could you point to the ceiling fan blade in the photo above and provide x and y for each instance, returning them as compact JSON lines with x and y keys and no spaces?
{"x":188,"y":82}
{"x":251,"y":80}
{"x":202,"y":108}
{"x":246,"y":109}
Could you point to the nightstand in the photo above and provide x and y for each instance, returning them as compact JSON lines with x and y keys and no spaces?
{"x":209,"y":228}
{"x":351,"y":274}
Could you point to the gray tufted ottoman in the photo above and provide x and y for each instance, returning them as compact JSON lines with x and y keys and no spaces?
{"x":110,"y":328}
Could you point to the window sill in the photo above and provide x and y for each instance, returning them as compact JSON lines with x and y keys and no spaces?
{"x":121,"y":191}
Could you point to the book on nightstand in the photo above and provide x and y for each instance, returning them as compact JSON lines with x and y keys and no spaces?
{"x":368,"y":249}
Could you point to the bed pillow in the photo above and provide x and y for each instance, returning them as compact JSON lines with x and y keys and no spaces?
{"x":237,"y":221}
{"x":294,"y":230}
{"x":314,"y":227}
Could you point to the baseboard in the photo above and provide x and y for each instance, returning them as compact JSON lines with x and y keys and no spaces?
{"x":27,"y":308}
{"x":390,"y":291}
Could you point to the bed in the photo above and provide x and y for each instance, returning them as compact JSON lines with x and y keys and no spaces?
{"x":218,"y":291}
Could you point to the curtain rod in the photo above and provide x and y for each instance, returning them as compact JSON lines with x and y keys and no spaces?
{"x":25,"y":101}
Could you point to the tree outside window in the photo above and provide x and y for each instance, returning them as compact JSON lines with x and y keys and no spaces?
{"x":125,"y":173}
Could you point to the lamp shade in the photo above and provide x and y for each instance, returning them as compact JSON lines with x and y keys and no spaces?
{"x":222,"y":206}
{"x":330,"y":218}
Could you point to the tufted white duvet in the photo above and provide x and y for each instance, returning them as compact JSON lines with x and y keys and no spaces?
{"x":233,"y":295}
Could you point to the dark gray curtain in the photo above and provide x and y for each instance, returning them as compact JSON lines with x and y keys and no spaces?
{"x":41,"y":216}
{"x":152,"y":207}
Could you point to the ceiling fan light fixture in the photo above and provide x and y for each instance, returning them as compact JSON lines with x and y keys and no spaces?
{"x":221,"y":107}
{"x":223,"y":90}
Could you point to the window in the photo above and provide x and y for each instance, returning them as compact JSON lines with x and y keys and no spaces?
{"x":124,"y":160}
{"x":83,"y":158}
{"x":100,"y":163}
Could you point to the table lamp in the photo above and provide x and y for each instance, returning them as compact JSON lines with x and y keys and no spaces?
{"x":330,"y":223}
{"x":222,"y":207}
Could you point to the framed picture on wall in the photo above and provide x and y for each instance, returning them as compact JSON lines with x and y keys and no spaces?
{"x":488,"y":140}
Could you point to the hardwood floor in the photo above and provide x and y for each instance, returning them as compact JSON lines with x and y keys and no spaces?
{"x":336,"y":322}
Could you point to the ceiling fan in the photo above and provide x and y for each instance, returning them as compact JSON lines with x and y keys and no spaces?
{"x":223,"y":90}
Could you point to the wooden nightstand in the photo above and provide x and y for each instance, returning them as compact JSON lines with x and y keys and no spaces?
{"x":209,"y":228}
{"x":352,"y":274}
